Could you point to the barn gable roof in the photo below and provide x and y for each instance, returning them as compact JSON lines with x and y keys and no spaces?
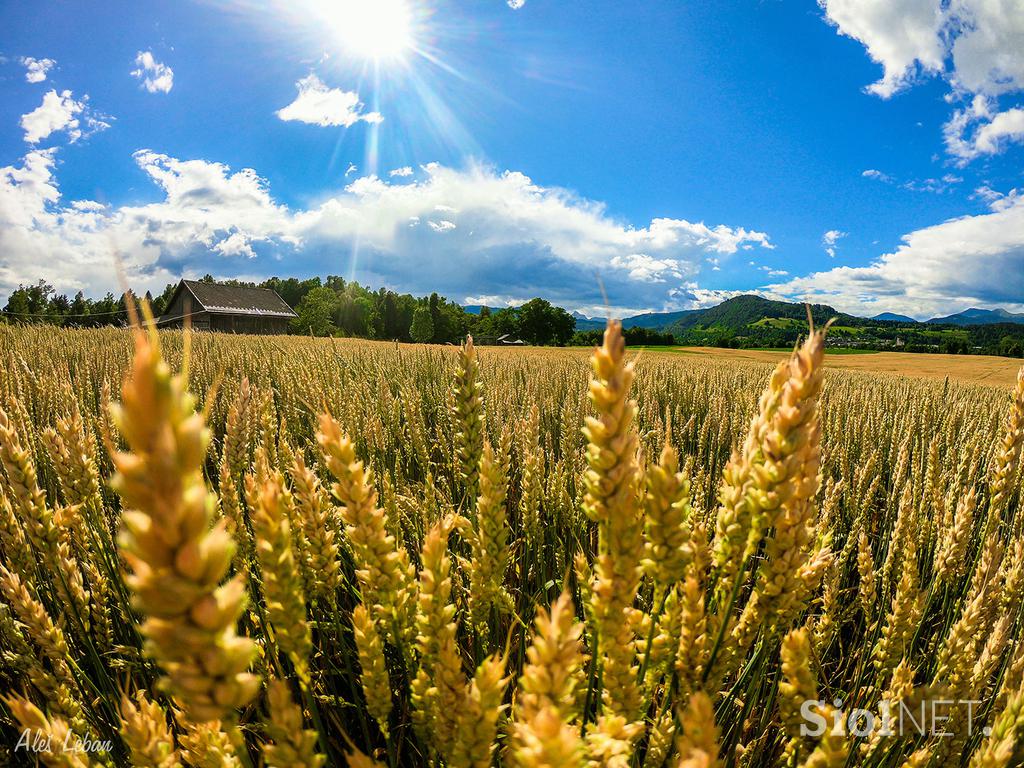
{"x":221,"y":299}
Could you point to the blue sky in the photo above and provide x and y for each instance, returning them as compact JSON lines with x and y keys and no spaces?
{"x":665,"y":154}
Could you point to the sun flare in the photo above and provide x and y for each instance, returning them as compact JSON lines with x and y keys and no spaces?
{"x":371,"y":29}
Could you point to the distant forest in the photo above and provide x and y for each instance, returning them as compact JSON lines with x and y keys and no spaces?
{"x":333,"y":307}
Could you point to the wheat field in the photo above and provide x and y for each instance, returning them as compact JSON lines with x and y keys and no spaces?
{"x":242,"y":551}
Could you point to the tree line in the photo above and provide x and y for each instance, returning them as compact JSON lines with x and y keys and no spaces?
{"x":332,"y":306}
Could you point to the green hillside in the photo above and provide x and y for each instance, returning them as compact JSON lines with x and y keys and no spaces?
{"x":755,"y":322}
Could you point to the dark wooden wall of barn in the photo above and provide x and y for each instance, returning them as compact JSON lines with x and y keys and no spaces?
{"x":247,"y":324}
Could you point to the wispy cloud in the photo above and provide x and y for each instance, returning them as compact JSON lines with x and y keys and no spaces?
{"x":873,"y":173}
{"x":935,"y":186}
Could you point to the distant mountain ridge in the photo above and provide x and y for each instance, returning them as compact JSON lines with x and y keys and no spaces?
{"x":892,"y":317}
{"x":752,"y":315}
{"x":656,"y":319}
{"x":974,"y":316}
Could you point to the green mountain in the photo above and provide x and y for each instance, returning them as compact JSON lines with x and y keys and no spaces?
{"x":741,"y":313}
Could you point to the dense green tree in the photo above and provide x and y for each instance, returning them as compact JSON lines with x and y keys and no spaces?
{"x":316,"y":312}
{"x":162,"y":302}
{"x":542,"y":323}
{"x":291,"y":289}
{"x":1011,"y":347}
{"x":422,"y":329}
{"x":389,"y":315}
{"x":30,"y":302}
{"x":79,"y":309}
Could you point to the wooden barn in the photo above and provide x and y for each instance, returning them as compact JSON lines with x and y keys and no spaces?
{"x":226,"y":308}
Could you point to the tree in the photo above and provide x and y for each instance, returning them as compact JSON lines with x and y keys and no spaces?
{"x":541,"y":323}
{"x":1011,"y":347}
{"x":316,"y":312}
{"x":163,"y":301}
{"x":436,"y":318}
{"x":80,"y":309}
{"x":390,"y":315}
{"x":30,"y":303}
{"x":422,"y":329}
{"x":292,"y":290}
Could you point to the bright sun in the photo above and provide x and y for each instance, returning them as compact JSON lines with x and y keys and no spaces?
{"x":372,"y":29}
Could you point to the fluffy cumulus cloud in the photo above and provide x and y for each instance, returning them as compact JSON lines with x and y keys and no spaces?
{"x":977,"y":45}
{"x":155,"y":76}
{"x":462,"y":232}
{"x":58,"y":112}
{"x":964,"y":262}
{"x":901,"y":35}
{"x":319,"y":105}
{"x":990,"y":137}
{"x":61,"y":112}
{"x":646,"y":269}
{"x":36,"y":70}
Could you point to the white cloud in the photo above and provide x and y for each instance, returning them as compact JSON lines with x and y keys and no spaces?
{"x":155,"y":76}
{"x":935,"y":186}
{"x":988,"y":45}
{"x":977,"y":45}
{"x":989,"y":138}
{"x":694,"y":297}
{"x":901,"y":35}
{"x":829,"y":240}
{"x":980,"y":129}
{"x":966,"y":261}
{"x":319,"y":105}
{"x":235,"y":244}
{"x":495,"y":301}
{"x":401,"y":172}
{"x":515,"y":5}
{"x":642,"y":267}
{"x":872,"y":173}
{"x":37,"y":69}
{"x":87,"y":205}
{"x":61,"y":112}
{"x":998,"y":201}
{"x":504,"y":235}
